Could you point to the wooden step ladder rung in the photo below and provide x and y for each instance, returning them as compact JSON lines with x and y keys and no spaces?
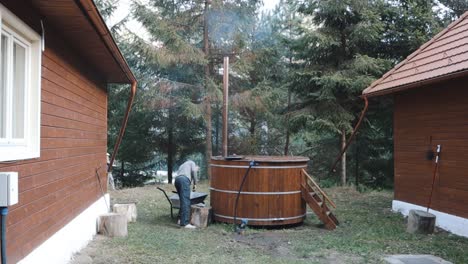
{"x":318,"y":201}
{"x":322,"y":212}
{"x":316,"y":188}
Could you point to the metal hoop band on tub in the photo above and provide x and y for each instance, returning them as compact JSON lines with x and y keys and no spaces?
{"x":259,"y":193}
{"x":263,"y":219}
{"x":259,"y":167}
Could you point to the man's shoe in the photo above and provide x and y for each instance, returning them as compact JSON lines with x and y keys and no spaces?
{"x":189,"y":226}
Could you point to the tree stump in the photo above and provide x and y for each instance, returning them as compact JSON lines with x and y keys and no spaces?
{"x":201,"y":216}
{"x":113,"y":225}
{"x":420,"y":222}
{"x":128,"y":209}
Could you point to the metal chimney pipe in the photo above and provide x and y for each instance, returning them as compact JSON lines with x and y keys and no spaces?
{"x":225,"y":105}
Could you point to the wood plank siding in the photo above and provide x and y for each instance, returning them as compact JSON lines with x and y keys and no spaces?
{"x":271,"y":194}
{"x":424,"y":118}
{"x":59,"y":185}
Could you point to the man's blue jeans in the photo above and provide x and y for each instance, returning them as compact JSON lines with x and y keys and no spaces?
{"x":182,"y":184}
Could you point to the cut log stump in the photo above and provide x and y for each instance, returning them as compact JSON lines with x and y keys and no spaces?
{"x":113,"y":225}
{"x":201,"y":216}
{"x":128,"y":209}
{"x":420,"y":222}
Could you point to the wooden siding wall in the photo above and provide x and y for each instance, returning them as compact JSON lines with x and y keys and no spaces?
{"x":62,"y":183}
{"x":423,"y":118}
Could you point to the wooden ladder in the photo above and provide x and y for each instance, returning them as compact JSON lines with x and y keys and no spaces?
{"x":317,"y":200}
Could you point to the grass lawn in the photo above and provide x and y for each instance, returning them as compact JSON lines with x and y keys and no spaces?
{"x":368,"y":230}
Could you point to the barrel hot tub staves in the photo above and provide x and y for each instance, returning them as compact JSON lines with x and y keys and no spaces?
{"x":270,"y":196}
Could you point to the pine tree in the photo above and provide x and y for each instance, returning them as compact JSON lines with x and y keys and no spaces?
{"x":407,"y":24}
{"x":336,"y":67}
{"x":286,"y":23}
{"x":456,"y":8}
{"x":174,"y":52}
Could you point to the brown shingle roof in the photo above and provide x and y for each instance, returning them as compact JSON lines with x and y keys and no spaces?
{"x":445,"y":55}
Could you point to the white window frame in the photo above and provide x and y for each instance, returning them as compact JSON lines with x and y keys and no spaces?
{"x":20,"y":33}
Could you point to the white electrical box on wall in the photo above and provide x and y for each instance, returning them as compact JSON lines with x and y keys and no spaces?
{"x":8,"y":188}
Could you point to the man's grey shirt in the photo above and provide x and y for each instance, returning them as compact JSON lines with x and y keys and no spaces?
{"x":188,"y":169}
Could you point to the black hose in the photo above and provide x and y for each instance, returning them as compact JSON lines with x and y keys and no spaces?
{"x":251,"y":164}
{"x":4,"y":214}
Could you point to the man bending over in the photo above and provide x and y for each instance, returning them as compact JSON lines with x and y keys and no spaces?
{"x":186,"y":175}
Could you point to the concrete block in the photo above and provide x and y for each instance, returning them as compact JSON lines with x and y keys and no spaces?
{"x":415,"y":259}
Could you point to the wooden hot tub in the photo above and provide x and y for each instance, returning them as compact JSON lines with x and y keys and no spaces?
{"x":271,"y":195}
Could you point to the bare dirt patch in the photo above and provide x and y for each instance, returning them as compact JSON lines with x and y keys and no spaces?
{"x":274,"y":244}
{"x":280,"y":245}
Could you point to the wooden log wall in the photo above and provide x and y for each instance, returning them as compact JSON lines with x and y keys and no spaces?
{"x":61,"y":184}
{"x":423,"y":118}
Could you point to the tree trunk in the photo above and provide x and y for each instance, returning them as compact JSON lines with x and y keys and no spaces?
{"x":343,"y":158}
{"x":343,"y":45}
{"x":253,"y":123}
{"x":122,"y":169}
{"x":286,"y":145}
{"x":208,"y":146}
{"x":357,"y":161}
{"x":170,"y":152}
{"x":217,"y":128}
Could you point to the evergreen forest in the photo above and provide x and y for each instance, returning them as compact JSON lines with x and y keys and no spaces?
{"x":296,"y":77}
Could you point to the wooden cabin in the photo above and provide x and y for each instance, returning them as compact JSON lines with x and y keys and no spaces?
{"x":430,"y":91}
{"x":57,"y":57}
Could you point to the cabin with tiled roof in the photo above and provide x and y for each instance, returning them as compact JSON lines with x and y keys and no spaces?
{"x":430,"y":91}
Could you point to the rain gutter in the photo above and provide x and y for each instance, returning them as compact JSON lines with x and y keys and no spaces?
{"x":92,"y":14}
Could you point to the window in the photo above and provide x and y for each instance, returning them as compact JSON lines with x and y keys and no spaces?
{"x":20,"y":77}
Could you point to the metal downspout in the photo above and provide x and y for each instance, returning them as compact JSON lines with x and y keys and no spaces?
{"x":90,"y":10}
{"x":124,"y":124}
{"x":364,"y":111}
